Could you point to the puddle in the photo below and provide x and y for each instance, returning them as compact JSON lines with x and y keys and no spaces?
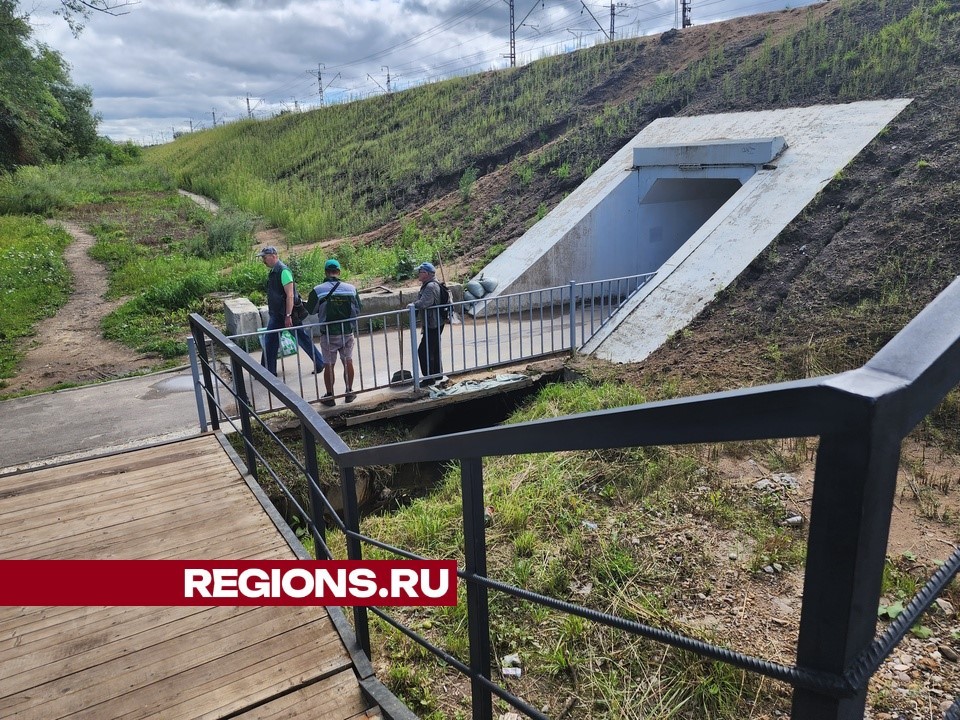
{"x":176,"y":384}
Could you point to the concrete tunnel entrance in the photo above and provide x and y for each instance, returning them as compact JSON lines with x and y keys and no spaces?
{"x":693,"y":198}
{"x":673,"y":210}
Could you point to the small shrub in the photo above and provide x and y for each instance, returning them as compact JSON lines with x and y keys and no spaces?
{"x":228,"y":233}
{"x":467,"y":180}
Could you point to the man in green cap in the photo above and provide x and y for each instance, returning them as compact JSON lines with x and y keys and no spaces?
{"x":336,"y":304}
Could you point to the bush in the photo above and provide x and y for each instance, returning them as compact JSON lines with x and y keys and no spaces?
{"x":29,"y":192}
{"x":178,"y":293}
{"x":228,"y":233}
{"x":118,"y":153}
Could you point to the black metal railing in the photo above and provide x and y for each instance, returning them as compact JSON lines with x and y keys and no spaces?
{"x":860,"y":417}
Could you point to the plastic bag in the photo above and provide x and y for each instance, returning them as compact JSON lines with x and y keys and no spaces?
{"x":288,"y":344}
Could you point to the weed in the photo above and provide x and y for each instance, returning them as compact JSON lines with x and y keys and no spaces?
{"x":229,"y":232}
{"x":467,"y":181}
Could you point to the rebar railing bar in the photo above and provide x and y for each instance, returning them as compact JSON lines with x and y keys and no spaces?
{"x":871,"y":660}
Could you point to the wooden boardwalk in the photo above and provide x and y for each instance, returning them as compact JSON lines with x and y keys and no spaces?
{"x":180,"y":500}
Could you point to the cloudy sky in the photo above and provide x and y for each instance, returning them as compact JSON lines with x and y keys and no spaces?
{"x":168,"y":65}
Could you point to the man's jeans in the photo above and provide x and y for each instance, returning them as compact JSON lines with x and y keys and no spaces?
{"x":271,"y":345}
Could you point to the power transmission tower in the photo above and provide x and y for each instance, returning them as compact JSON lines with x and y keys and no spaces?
{"x":387,"y":68}
{"x":320,"y":67}
{"x":214,"y":113}
{"x":685,"y":13}
{"x":191,"y":124}
{"x":249,"y":114}
{"x":513,"y":39}
{"x":513,"y":29}
{"x":614,"y":6}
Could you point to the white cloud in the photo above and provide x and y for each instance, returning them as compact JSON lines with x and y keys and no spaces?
{"x":168,"y":62}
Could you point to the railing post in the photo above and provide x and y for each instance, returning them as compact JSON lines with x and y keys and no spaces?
{"x":240,"y":392}
{"x":313,"y":478}
{"x":197,"y":387}
{"x":414,"y":358}
{"x":853,"y":494}
{"x":573,"y":318}
{"x":201,"y":348}
{"x":475,"y":563}
{"x":351,"y":518}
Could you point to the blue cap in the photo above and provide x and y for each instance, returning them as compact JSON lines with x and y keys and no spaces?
{"x":331,"y":264}
{"x":268,"y":250}
{"x":426,"y":267}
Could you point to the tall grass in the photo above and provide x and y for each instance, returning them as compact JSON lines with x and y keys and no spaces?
{"x":34,"y":282}
{"x":43,"y":190}
{"x":584,"y":526}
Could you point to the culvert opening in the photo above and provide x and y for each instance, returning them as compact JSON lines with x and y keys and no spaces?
{"x":385,"y":488}
{"x":402,"y":484}
{"x":674,"y":209}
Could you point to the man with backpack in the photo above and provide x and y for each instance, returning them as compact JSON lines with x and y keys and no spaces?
{"x":433,"y":300}
{"x":281,"y":295}
{"x":335,"y":303}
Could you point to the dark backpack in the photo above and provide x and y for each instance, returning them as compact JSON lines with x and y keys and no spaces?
{"x":444,"y":305}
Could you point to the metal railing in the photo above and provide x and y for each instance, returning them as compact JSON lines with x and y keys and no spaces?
{"x":860,"y":417}
{"x":480,"y":334}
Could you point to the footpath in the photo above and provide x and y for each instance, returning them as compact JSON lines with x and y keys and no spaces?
{"x":96,"y":419}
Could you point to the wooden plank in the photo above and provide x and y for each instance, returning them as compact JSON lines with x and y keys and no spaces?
{"x":216,"y":648}
{"x":167,"y":529}
{"x":54,"y":658}
{"x":131,"y":518}
{"x":180,"y":476}
{"x":175,"y":501}
{"x":287,"y":667}
{"x":61,"y":477}
{"x":428,"y":404}
{"x":337,"y":697}
{"x":106,"y":624}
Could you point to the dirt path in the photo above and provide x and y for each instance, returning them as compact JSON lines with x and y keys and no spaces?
{"x":69,"y":347}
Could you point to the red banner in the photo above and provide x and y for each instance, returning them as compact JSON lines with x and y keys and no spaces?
{"x":228,"y":582}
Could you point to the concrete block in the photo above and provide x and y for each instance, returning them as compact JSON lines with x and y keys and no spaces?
{"x":751,"y":151}
{"x":241,"y":316}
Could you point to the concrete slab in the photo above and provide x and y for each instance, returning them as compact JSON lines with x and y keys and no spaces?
{"x":695,"y":199}
{"x":821,"y":141}
{"x":94,"y":419}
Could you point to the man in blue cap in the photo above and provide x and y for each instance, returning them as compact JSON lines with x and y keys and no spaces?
{"x":336,"y":304}
{"x":281,"y":293}
{"x":428,"y":301}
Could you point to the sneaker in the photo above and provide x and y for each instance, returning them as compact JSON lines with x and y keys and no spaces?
{"x":328,"y":400}
{"x":350,"y":396}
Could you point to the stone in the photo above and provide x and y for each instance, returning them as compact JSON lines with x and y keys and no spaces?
{"x":945,"y":606}
{"x":949,"y":653}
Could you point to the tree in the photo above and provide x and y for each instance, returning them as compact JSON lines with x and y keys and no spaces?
{"x":77,"y":12}
{"x":43,"y":116}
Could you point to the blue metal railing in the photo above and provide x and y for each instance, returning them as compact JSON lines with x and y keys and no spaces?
{"x":860,"y":417}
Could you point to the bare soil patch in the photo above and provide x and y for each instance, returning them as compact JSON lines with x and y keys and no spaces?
{"x":69,"y":347}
